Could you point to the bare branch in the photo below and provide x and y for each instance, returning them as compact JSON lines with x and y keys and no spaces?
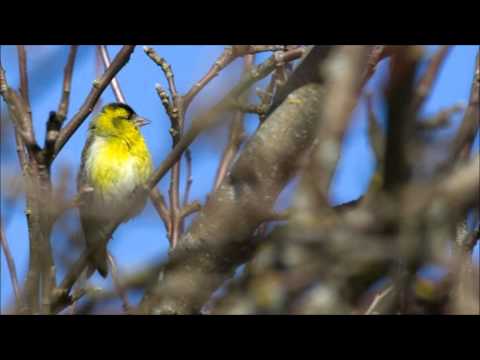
{"x":22,"y":157}
{"x":460,"y":147}
{"x":461,"y":188}
{"x":176,"y":111}
{"x":67,"y":82}
{"x":190,"y":209}
{"x":167,"y":104}
{"x":117,"y":91}
{"x":377,"y":300}
{"x":188,"y":157}
{"x":11,"y":265}
{"x":166,"y":68}
{"x":401,"y":115}
{"x":209,"y":118}
{"x":439,"y":120}
{"x":342,"y":72}
{"x":228,"y":55}
{"x":248,"y":108}
{"x":20,"y":115}
{"x":22,"y":69}
{"x":431,"y":74}
{"x":159,"y":203}
{"x":118,"y":286}
{"x":56,"y":119}
{"x":235,"y":141}
{"x":236,"y":136}
{"x":375,"y":133}
{"x":377,"y":54}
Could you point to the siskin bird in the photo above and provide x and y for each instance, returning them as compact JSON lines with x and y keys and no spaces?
{"x":115,"y":161}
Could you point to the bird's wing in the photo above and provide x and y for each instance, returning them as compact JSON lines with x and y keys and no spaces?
{"x":93,"y":215}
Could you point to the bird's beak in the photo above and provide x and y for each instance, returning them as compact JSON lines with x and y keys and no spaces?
{"x":140,"y":121}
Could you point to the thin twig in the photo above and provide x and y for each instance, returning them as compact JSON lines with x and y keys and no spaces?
{"x":377,"y":54}
{"x":11,"y":264}
{"x":236,"y":135}
{"x":188,"y":157}
{"x":277,"y":80}
{"x":166,"y":68}
{"x":439,"y":120}
{"x":377,"y":143}
{"x":159,"y":203}
{"x":117,"y":91}
{"x":67,"y":82}
{"x":209,"y":118}
{"x":190,"y":209}
{"x":20,"y":116}
{"x":248,"y":108}
{"x":175,"y":110}
{"x":56,"y":119}
{"x":228,"y":55}
{"x":22,"y":67}
{"x":236,"y":139}
{"x":375,"y":133}
{"x":118,"y":286}
{"x":461,"y":144}
{"x":22,"y":157}
{"x":342,"y":84}
{"x":378,"y":298}
{"x":167,"y":104}
{"x":427,"y":81}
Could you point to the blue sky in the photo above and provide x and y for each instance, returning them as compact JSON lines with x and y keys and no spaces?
{"x":143,"y":239}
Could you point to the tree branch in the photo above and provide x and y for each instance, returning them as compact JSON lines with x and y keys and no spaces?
{"x":209,"y":118}
{"x":56,"y":119}
{"x":460,"y":147}
{"x":159,"y":203}
{"x":188,"y":157}
{"x":439,"y":120}
{"x":215,"y":240}
{"x":427,"y":81}
{"x":342,"y":72}
{"x":22,"y":69}
{"x":11,"y":265}
{"x":377,"y":54}
{"x":401,"y":115}
{"x":117,"y":91}
{"x":236,"y":135}
{"x":120,"y":290}
{"x":377,"y":300}
{"x":20,"y":116}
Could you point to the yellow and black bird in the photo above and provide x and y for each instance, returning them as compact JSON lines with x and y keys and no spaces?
{"x":115,"y":161}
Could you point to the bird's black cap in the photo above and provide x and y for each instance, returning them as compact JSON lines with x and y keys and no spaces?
{"x":117,"y":105}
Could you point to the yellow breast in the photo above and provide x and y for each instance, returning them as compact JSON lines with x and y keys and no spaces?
{"x":115,"y":167}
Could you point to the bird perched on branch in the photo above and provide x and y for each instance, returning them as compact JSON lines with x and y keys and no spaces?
{"x":115,"y":161}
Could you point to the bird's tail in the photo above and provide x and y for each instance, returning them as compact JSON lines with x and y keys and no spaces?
{"x":98,"y":256}
{"x":98,"y":261}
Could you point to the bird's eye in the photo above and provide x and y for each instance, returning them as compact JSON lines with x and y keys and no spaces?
{"x":117,"y":122}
